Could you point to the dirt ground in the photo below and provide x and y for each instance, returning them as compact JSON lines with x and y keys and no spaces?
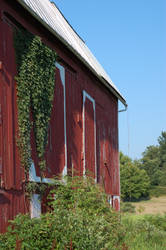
{"x":156,"y":205}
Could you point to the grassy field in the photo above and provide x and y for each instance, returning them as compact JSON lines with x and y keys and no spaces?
{"x":146,"y":227}
{"x":156,"y":205}
{"x":144,"y":232}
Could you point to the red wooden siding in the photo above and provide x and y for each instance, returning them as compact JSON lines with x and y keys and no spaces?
{"x":56,"y":147}
{"x":74,"y":124}
{"x":108,"y":154}
{"x":11,"y":204}
{"x":116,"y":203}
{"x":12,"y":176}
{"x":1,"y":141}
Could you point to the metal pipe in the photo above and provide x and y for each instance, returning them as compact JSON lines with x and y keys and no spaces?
{"x":122,"y":110}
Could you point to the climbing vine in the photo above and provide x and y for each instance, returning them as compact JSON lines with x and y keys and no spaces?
{"x":35,"y":91}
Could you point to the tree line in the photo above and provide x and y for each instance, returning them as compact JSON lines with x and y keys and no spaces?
{"x":138,"y":177}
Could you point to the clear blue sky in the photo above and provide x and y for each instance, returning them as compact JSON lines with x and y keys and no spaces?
{"x":129,"y":39}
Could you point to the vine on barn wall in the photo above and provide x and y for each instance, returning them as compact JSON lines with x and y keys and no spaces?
{"x":35,"y":91}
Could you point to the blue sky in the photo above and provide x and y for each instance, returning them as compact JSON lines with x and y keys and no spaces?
{"x":129,"y":39}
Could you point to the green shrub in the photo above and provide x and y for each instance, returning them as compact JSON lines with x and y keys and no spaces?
{"x":127,"y":207}
{"x":157,"y":191}
{"x":159,"y":221}
{"x":81,"y":218}
{"x":142,"y":233}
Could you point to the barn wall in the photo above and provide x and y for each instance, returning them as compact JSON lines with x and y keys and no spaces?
{"x":11,"y":173}
{"x":11,"y":203}
{"x":83,"y":131}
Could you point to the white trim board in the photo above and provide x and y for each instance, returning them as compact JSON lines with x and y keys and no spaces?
{"x":34,"y":178}
{"x":62,"y":76}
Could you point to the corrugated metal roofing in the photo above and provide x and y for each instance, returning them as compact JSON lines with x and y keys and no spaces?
{"x":49,"y":14}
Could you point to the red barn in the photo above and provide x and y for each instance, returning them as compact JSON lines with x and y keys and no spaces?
{"x":83,"y":128}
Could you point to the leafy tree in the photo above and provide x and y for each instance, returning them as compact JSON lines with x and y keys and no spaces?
{"x":150,"y":162}
{"x":134,"y":181}
{"x":162,"y":150}
{"x":162,"y":153}
{"x":154,"y":161}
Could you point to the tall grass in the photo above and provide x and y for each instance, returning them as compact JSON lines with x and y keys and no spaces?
{"x":146,"y":232}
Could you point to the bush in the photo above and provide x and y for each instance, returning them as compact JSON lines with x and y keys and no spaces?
{"x":157,"y":191}
{"x":127,"y":207}
{"x":159,"y":221}
{"x":143,"y":233}
{"x":81,"y":218}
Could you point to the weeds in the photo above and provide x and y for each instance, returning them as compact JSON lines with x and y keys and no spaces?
{"x":144,"y":232}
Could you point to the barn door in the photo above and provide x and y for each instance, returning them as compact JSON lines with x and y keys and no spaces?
{"x":89,"y":135}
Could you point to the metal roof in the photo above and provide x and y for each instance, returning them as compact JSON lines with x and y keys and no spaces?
{"x":50,"y":16}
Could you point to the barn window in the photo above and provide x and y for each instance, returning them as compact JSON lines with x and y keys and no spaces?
{"x":35,"y":206}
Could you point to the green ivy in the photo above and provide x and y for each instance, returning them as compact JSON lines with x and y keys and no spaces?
{"x":35,"y":91}
{"x":34,"y":187}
